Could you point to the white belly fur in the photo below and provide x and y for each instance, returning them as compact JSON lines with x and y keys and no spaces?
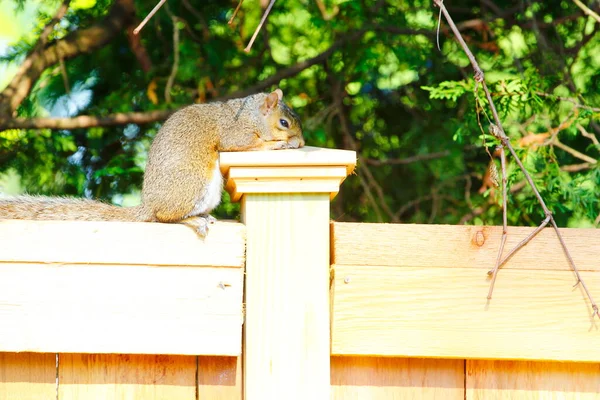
{"x":212,"y":195}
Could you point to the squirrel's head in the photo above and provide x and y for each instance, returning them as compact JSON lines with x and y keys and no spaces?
{"x":283,"y":123}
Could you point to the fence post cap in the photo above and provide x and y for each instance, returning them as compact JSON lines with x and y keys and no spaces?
{"x":305,"y":170}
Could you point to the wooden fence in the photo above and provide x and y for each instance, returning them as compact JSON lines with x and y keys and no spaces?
{"x":288,"y":305}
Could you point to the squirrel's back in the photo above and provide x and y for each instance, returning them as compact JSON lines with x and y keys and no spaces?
{"x":64,"y":208}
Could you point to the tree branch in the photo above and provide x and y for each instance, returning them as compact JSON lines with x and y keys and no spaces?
{"x":497,"y":131}
{"x":72,"y":45}
{"x":586,"y":10}
{"x":125,"y":118}
{"x":86,"y":121}
{"x":60,"y":13}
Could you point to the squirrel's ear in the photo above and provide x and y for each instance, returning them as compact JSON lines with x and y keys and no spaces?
{"x":271,"y":101}
{"x":279,"y":93}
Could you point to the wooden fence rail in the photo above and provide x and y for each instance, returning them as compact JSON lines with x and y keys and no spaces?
{"x":92,"y":310}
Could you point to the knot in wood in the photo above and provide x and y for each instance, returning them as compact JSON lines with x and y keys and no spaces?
{"x":479,"y":238}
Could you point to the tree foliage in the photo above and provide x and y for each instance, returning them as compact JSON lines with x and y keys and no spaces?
{"x":363,"y":75}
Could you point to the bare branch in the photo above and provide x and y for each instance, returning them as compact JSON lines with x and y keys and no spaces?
{"x":60,"y":13}
{"x":262,"y":21}
{"x":86,"y":121}
{"x":235,"y":12}
{"x":199,"y":16}
{"x":327,"y":16}
{"x":125,"y":118}
{"x":588,"y":135}
{"x":586,"y":10}
{"x":577,"y":167}
{"x":494,"y":271}
{"x":65,"y":76}
{"x":175,"y":66}
{"x":76,"y":43}
{"x":574,"y":152}
{"x":497,"y":130}
{"x":150,"y":15}
{"x":575,"y":102}
{"x":138,"y":49}
{"x":370,"y":181}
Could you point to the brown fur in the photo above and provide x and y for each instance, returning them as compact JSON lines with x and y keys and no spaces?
{"x":181,"y":162}
{"x":64,"y":208}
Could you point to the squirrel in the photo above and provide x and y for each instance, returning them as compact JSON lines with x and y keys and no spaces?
{"x":182,"y":182}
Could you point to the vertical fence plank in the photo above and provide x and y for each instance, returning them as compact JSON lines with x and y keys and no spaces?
{"x":530,"y":380}
{"x":27,"y":376}
{"x":381,"y":378}
{"x":219,"y":378}
{"x":122,"y":376}
{"x":286,"y":342}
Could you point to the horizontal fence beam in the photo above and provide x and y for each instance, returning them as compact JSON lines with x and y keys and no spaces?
{"x":131,"y":243}
{"x":112,"y":287}
{"x":420,"y":291}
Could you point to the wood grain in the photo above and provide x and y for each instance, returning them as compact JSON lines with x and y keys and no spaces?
{"x":444,"y":313}
{"x":379,"y":378}
{"x":27,"y":376}
{"x":123,"y":376}
{"x":286,"y":342}
{"x":219,"y":378}
{"x":526,"y":380}
{"x":414,"y":245}
{"x":120,"y":243}
{"x":120,"y":309}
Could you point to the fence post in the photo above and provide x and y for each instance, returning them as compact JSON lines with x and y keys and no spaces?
{"x":285,"y":199}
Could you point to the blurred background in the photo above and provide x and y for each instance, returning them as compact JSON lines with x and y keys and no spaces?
{"x":362,"y":75}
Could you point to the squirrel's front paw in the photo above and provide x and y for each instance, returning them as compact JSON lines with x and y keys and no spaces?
{"x":280,"y":145}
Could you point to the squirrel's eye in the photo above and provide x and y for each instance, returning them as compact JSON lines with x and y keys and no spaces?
{"x":284,"y":123}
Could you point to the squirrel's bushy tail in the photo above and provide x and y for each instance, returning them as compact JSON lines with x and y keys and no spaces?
{"x":65,"y":209}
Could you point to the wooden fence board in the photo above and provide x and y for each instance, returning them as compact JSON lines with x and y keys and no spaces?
{"x":286,"y":340}
{"x":27,"y":376}
{"x":123,"y":376}
{"x":450,"y":246}
{"x":443,"y":312}
{"x":120,"y":309}
{"x":379,"y":378}
{"x":526,"y":380}
{"x":219,"y":378}
{"x":88,"y":242}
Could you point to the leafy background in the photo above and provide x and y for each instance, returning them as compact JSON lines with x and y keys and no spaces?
{"x":363,"y":75}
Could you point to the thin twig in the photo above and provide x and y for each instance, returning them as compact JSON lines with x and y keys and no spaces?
{"x":498,"y":132}
{"x":370,"y":181}
{"x":60,"y":13}
{"x":588,"y":135}
{"x":65,"y":76}
{"x":327,"y":16}
{"x":494,"y":272}
{"x":175,"y":66}
{"x":577,"y":167}
{"x":523,"y":243}
{"x":235,"y":12}
{"x":569,"y":100}
{"x":586,"y":10}
{"x":150,"y":15}
{"x":574,"y":152}
{"x":262,"y":21}
{"x":199,"y":17}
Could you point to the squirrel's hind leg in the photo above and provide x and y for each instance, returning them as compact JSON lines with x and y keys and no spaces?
{"x":199,"y":223}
